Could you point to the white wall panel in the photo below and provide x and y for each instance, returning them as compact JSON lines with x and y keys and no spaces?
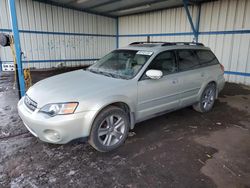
{"x":165,"y":21}
{"x":5,"y":53}
{"x":124,"y":41}
{"x":225,"y":15}
{"x":51,"y":33}
{"x":232,"y":49}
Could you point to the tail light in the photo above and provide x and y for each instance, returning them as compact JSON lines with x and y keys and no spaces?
{"x":222,"y":68}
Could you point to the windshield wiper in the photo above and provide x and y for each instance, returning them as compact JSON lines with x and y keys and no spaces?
{"x":113,"y":75}
{"x":94,"y":71}
{"x":108,"y":74}
{"x":101,"y":72}
{"x":120,"y":76}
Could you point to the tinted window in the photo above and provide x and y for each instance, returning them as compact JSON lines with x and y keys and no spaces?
{"x":165,"y":62}
{"x":187,"y":60}
{"x":206,"y":57}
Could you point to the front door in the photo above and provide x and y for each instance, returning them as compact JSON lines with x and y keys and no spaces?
{"x":156,"y":96}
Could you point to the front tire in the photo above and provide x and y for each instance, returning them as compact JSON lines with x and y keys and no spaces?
{"x":207,"y":99}
{"x":110,"y":129}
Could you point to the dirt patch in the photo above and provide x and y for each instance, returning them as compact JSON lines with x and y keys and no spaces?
{"x":229,"y":167}
{"x":235,"y":89}
{"x":160,"y":152}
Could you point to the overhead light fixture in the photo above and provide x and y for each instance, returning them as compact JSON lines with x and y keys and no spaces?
{"x":134,"y":9}
{"x":81,"y":1}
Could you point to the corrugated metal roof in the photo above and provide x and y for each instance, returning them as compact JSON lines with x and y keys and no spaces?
{"x":115,"y":8}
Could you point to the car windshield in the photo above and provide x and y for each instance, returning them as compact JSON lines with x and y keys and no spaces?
{"x":124,"y":64}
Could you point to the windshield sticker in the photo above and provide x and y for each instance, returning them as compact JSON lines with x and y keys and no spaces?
{"x":144,"y":53}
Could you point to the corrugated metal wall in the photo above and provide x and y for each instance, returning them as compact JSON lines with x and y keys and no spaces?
{"x":50,"y":34}
{"x":5,"y":53}
{"x":224,"y":27}
{"x":165,"y":25}
{"x":231,"y":49}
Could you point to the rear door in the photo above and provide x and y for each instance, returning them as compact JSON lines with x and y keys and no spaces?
{"x":155,"y":96}
{"x":207,"y":61}
{"x":190,"y":77}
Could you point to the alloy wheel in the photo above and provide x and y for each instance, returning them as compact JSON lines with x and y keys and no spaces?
{"x":208,"y":98}
{"x":111,"y":130}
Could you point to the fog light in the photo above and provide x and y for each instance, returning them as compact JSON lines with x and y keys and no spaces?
{"x":52,"y":135}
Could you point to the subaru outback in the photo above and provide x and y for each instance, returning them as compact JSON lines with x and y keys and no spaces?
{"x":127,"y":86}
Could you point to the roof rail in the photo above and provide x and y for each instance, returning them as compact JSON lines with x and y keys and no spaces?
{"x":168,"y":43}
{"x":182,"y":43}
{"x":142,"y":42}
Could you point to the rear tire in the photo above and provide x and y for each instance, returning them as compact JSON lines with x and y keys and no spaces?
{"x":207,"y":99}
{"x":109,"y":130}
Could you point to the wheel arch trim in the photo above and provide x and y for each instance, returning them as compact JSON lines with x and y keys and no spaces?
{"x":112,"y":102}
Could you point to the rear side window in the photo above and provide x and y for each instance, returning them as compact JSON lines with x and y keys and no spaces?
{"x":206,"y":57}
{"x":187,"y":60}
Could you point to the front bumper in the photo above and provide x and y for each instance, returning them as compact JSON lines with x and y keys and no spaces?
{"x":59,"y":129}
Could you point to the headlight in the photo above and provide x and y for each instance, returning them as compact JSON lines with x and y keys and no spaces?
{"x":59,"y":108}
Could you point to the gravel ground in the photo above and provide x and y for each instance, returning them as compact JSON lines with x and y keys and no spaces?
{"x":179,"y":149}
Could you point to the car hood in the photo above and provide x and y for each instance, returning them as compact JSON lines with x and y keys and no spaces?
{"x":73,"y":86}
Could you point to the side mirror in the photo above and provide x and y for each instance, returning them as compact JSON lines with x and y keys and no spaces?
{"x":154,"y":74}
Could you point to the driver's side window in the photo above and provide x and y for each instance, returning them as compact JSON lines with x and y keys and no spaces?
{"x":165,"y":62}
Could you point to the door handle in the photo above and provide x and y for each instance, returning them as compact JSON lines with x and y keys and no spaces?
{"x":175,"y":81}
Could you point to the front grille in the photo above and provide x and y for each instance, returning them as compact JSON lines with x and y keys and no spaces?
{"x":32,"y":105}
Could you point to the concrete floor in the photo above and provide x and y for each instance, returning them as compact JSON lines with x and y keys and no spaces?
{"x":180,"y":149}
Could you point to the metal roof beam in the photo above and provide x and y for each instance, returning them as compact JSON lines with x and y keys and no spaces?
{"x":164,"y":8}
{"x":103,"y":4}
{"x":185,"y":3}
{"x":75,"y":8}
{"x":136,"y":5}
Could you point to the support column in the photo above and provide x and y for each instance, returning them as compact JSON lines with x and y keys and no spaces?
{"x":15,"y":32}
{"x":198,"y":23}
{"x":185,"y":3}
{"x":117,"y":32}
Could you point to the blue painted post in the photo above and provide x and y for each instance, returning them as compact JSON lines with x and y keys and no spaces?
{"x":15,"y":32}
{"x":185,"y":3}
{"x":117,"y":32}
{"x":198,"y":23}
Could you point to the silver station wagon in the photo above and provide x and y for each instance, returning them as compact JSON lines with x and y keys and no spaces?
{"x":127,"y":86}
